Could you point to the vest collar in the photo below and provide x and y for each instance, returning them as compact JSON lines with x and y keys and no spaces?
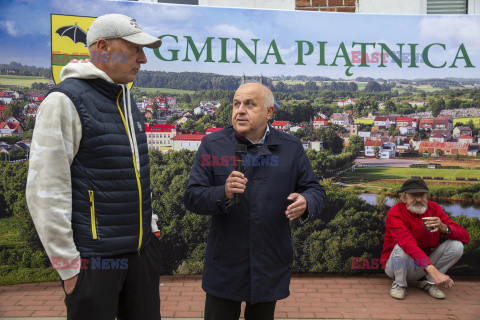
{"x":108,"y":89}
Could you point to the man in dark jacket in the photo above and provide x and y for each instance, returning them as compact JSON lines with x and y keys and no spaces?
{"x":249,"y":248}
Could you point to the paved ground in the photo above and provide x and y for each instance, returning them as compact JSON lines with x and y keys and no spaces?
{"x":312,"y":297}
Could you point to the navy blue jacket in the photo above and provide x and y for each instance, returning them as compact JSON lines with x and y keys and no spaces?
{"x":107,"y":216}
{"x":249,"y":247}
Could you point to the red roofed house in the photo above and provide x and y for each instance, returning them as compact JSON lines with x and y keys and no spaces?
{"x":382,"y":122}
{"x":15,"y":126}
{"x":342,"y":119}
{"x":466,"y":139}
{"x":4,"y":125}
{"x":32,"y":110}
{"x":160,"y":101}
{"x":370,"y":148}
{"x":415,"y":122}
{"x":426,"y":124}
{"x":386,"y":150}
{"x":447,"y":134}
{"x":187,"y":141}
{"x":393,"y":120}
{"x":281,"y":125}
{"x":320,"y":122}
{"x":342,"y":103}
{"x":212,"y":130}
{"x":437,"y":137}
{"x":461,"y":131}
{"x":443,"y":122}
{"x":2,"y":108}
{"x":5,"y":97}
{"x":404,"y":122}
{"x":159,"y":136}
{"x":36,"y":96}
{"x":448,"y":148}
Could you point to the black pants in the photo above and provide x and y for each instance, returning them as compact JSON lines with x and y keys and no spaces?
{"x":224,"y":309}
{"x":125,"y":286}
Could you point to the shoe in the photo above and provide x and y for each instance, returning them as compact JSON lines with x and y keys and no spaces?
{"x":398,"y":292}
{"x":432,"y":289}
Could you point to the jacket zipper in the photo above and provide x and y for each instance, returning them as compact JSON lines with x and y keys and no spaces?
{"x":140,"y":236}
{"x":92,"y":214}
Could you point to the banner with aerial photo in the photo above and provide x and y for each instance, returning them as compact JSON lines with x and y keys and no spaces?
{"x":250,"y":41}
{"x":327,"y":72}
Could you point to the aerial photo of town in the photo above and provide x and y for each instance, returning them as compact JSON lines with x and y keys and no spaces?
{"x":363,"y":136}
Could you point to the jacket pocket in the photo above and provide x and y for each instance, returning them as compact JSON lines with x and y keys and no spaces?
{"x":93,"y":220}
{"x":220,"y":175}
{"x":77,"y":284}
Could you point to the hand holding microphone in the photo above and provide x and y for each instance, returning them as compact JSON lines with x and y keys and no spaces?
{"x":235,"y":184}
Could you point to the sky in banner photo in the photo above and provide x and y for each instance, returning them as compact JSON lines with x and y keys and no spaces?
{"x":269,"y":42}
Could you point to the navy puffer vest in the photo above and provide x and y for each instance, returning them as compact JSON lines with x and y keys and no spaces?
{"x":108,"y":217}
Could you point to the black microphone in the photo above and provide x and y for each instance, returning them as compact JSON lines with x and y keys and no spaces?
{"x":239,"y":152}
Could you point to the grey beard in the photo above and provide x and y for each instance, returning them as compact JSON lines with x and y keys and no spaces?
{"x":418,"y":209}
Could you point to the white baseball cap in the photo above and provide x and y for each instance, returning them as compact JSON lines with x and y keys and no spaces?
{"x":115,"y":25}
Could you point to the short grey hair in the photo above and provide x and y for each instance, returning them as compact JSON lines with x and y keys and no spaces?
{"x":402,"y":195}
{"x":268,"y":98}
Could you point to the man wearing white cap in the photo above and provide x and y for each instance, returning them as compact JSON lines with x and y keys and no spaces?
{"x":88,"y":187}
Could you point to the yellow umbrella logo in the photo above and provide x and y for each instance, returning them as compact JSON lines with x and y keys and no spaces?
{"x":69,"y":41}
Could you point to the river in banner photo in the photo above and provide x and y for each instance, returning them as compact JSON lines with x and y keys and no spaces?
{"x":470,"y":210}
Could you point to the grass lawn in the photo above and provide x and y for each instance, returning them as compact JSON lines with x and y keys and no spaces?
{"x":361,"y":85}
{"x":476,"y":121}
{"x":363,"y":121}
{"x":428,"y":88}
{"x":405,"y":173}
{"x":10,"y":275}
{"x":10,"y":237}
{"x":10,"y":232}
{"x":165,"y":90}
{"x":291,"y":82}
{"x":387,"y":185}
{"x":21,"y":81}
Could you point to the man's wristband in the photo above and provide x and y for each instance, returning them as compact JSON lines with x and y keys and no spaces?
{"x":448,"y":230}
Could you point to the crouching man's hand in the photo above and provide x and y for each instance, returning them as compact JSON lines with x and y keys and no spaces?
{"x":439,"y":278}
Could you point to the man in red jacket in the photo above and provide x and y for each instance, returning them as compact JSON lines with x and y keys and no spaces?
{"x":411,"y":250}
